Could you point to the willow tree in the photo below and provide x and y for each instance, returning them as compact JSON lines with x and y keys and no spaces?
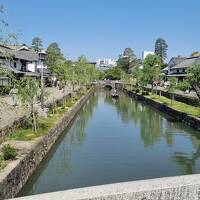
{"x":64,"y":72}
{"x":137,"y":74}
{"x":86,"y":72}
{"x":172,"y":88}
{"x":29,"y":92}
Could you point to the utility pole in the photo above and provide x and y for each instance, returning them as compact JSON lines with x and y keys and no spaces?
{"x":42,"y":86}
{"x":42,"y":56}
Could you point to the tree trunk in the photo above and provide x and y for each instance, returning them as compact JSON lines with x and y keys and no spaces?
{"x":64,"y":94}
{"x":34,"y":125}
{"x":156,"y":89}
{"x":197,"y":90}
{"x":152,"y":88}
{"x":172,"y":98}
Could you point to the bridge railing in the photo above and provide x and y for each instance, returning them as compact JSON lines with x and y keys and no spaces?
{"x":170,"y":188}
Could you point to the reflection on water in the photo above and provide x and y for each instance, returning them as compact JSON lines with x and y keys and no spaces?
{"x":114,"y":140}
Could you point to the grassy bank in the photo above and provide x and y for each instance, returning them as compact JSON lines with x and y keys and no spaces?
{"x":176,"y":105}
{"x":179,"y":106}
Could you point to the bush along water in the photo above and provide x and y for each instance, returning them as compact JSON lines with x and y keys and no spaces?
{"x":9,"y":153}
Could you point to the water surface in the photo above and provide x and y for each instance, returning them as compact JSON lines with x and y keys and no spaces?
{"x":114,"y":141}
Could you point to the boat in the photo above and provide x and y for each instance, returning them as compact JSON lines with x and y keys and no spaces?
{"x":114,"y":93}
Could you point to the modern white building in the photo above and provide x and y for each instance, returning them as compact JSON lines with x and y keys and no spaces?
{"x":105,"y":64}
{"x":146,"y":53}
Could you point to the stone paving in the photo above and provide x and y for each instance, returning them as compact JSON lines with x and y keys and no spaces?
{"x":9,"y":113}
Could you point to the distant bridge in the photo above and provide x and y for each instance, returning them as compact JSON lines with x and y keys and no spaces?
{"x":110,"y":83}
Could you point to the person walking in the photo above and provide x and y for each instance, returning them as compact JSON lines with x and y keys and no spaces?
{"x":13,"y":93}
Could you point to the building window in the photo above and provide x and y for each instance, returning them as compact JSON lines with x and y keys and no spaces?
{"x":4,"y":81}
{"x":177,"y":70}
{"x":183,"y":70}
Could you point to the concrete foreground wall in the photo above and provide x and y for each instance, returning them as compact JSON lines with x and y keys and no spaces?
{"x":171,"y":188}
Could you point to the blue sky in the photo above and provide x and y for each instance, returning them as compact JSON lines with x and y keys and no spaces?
{"x":103,"y":28}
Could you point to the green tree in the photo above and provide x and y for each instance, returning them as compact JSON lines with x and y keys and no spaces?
{"x":193,"y":77}
{"x":53,"y":55}
{"x":161,"y":49}
{"x":113,"y":73}
{"x":63,"y":72}
{"x":85,"y":72}
{"x":183,"y":85}
{"x":29,"y":92}
{"x":137,"y":74}
{"x":36,"y":44}
{"x":151,"y":70}
{"x":195,"y":54}
{"x":127,"y":60}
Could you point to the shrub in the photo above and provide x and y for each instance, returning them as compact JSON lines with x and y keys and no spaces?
{"x":1,"y":161}
{"x":9,"y":153}
{"x":69,"y":103}
{"x":4,"y":90}
{"x":145,"y":93}
{"x":137,"y":90}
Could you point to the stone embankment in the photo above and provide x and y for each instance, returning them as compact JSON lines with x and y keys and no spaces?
{"x":31,"y":153}
{"x":180,"y":116}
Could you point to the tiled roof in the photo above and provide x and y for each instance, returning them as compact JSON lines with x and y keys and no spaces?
{"x":176,"y":60}
{"x":187,"y":62}
{"x":28,"y":55}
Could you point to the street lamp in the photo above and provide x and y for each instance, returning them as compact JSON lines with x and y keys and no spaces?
{"x":42,"y":56}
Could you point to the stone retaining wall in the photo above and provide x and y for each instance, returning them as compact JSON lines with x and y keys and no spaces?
{"x":181,"y":116}
{"x":8,"y":130}
{"x":16,"y":173}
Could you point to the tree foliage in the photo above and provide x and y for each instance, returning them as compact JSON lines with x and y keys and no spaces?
{"x":76,"y":73}
{"x":36,"y":44}
{"x":196,"y":53}
{"x":137,"y":75}
{"x":193,"y":77}
{"x":161,"y":49}
{"x":113,"y":73}
{"x":172,"y":87}
{"x":54,"y":54}
{"x":151,"y":70}
{"x":29,"y":92}
{"x":127,"y":60}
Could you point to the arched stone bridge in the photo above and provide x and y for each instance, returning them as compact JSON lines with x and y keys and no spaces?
{"x":105,"y":83}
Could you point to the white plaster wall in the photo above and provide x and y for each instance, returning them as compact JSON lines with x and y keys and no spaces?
{"x":31,"y":67}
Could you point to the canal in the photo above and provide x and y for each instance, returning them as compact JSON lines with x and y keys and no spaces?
{"x":116,"y":140}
